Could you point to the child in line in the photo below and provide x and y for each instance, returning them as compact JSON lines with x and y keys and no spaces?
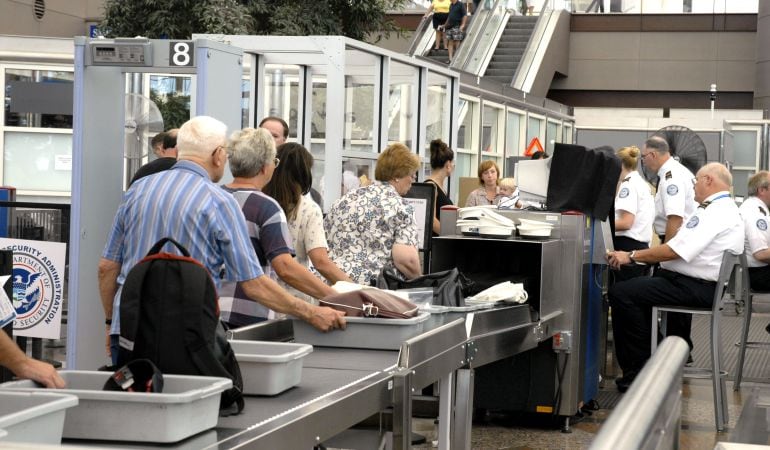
{"x":510,"y":193}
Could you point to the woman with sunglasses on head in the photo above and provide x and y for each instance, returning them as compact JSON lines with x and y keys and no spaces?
{"x":291,"y":180}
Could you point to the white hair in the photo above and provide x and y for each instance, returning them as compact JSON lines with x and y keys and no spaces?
{"x":200,"y":136}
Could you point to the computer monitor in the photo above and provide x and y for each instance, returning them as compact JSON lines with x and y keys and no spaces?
{"x":532,"y":179}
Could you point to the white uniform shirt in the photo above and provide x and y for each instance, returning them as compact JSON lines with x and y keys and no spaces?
{"x":705,"y":236}
{"x":675,"y":196}
{"x":634,"y":197}
{"x":755,"y":219}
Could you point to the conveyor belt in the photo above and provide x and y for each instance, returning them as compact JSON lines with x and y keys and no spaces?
{"x":316,"y":384}
{"x":342,"y":386}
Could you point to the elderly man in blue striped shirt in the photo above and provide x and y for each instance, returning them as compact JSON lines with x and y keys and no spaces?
{"x":185,"y":203}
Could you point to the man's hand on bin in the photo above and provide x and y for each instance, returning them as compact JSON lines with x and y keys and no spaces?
{"x":327,"y":319}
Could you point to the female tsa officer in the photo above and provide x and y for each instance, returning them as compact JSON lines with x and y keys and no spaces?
{"x":634,"y":212}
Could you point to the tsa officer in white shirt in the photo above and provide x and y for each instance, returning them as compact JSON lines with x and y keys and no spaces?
{"x":690,"y":264}
{"x":675,"y":198}
{"x":634,"y":212}
{"x":754,"y":211}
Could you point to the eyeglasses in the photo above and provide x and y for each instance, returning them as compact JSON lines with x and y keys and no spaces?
{"x":217,"y":149}
{"x":276,"y":161}
{"x":644,"y":155}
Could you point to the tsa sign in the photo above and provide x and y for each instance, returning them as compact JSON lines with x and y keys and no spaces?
{"x":38,"y":286}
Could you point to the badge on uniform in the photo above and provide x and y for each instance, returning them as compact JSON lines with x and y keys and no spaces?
{"x":623,"y":193}
{"x":672,"y":189}
{"x":761,"y":224}
{"x":668,"y":175}
{"x":693,"y":222}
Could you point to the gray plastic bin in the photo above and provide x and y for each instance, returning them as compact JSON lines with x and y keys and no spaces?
{"x":187,"y":405}
{"x":269,"y":368}
{"x":363,"y":332}
{"x":33,"y":417}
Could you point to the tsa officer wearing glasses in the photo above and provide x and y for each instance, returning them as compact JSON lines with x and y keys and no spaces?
{"x":675,"y":198}
{"x":690,"y":264}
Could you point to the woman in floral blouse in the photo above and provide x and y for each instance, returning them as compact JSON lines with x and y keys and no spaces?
{"x":371,"y":227}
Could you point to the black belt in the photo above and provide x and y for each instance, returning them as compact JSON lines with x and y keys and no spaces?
{"x":674,"y":276}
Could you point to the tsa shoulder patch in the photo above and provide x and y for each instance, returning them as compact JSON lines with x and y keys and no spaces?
{"x":762,"y":224}
{"x":693,"y":222}
{"x":672,"y":189}
{"x":623,"y":193}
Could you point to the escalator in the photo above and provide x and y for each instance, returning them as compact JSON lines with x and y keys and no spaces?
{"x":508,"y":49}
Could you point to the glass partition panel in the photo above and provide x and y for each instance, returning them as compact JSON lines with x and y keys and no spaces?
{"x":245,"y":97}
{"x":437,"y":114}
{"x":171,"y":93}
{"x":552,"y":129}
{"x":356,"y":172}
{"x":361,"y":101}
{"x":513,"y":125}
{"x":318,"y":181}
{"x":741,"y":181}
{"x":38,"y":98}
{"x":467,"y":133}
{"x":746,"y":145}
{"x":465,"y":165}
{"x":567,"y":134}
{"x":535,"y":126}
{"x":492,"y":131}
{"x":318,"y":121}
{"x":281,"y":94}
{"x":402,"y":103}
{"x":659,"y":6}
{"x":38,"y":161}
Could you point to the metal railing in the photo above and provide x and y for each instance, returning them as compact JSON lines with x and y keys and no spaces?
{"x":649,"y":415}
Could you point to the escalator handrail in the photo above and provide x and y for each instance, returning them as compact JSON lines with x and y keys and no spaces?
{"x":462,"y":58}
{"x":527,"y":58}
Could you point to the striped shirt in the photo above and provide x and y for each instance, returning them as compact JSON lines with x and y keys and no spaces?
{"x":270,"y":237}
{"x":181,"y":203}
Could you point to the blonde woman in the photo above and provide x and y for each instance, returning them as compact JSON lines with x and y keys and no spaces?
{"x":634,"y":212}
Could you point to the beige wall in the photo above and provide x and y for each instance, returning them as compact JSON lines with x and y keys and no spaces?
{"x":63,"y":18}
{"x":660,"y":61}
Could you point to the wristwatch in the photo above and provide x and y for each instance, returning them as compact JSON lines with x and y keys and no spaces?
{"x":631,"y":256}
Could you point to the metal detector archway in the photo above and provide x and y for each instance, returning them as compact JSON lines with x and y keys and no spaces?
{"x":101,"y":66}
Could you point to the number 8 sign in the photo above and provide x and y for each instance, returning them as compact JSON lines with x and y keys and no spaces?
{"x":181,"y":53}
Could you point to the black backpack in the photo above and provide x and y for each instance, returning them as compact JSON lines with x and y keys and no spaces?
{"x":169,"y":314}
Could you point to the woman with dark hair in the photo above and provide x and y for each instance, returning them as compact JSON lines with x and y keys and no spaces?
{"x":441,"y":166}
{"x":488,"y":193}
{"x":291,"y":180}
{"x":372,"y":228}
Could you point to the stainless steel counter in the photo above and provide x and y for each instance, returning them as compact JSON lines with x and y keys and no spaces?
{"x":341,"y":386}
